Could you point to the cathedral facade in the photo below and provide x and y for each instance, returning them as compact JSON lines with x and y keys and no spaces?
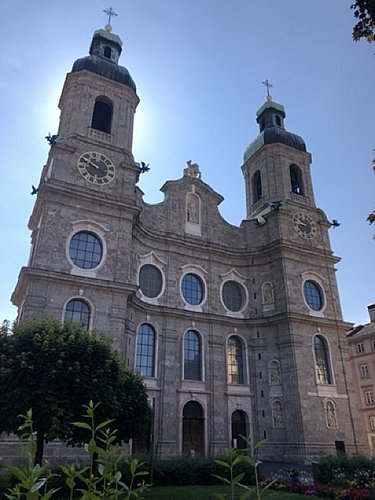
{"x":236,"y":330}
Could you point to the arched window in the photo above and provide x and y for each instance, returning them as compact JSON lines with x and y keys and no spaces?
{"x":239,"y":428}
{"x":107,"y":52}
{"x":192,"y":356}
{"x":102,"y":115}
{"x":274,"y":374}
{"x":296,"y":179}
{"x":235,"y":361}
{"x":278,"y":414}
{"x":145,"y":351}
{"x":193,"y":429}
{"x":257,"y":186}
{"x":192,"y":208}
{"x":322,"y":360}
{"x":78,"y":310}
{"x":278,"y":120}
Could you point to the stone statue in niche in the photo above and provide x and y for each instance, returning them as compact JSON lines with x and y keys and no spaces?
{"x":192,"y":170}
{"x":267,"y":293}
{"x":277,"y":414}
{"x":331,"y":415}
{"x":192,"y":208}
{"x":274,"y":373}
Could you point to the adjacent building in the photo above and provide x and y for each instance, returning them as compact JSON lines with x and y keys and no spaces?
{"x":362,"y":357}
{"x":236,"y":330}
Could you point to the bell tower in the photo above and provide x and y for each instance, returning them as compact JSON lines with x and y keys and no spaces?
{"x":87,"y":198}
{"x":276,"y":163}
{"x":99,"y":97}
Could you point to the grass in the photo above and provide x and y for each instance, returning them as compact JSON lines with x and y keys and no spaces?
{"x":209,"y":492}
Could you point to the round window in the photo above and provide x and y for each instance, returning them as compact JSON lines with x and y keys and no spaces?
{"x":85,"y":250}
{"x":233,"y":296}
{"x":313,"y":295}
{"x":192,"y":289}
{"x":150,"y":280}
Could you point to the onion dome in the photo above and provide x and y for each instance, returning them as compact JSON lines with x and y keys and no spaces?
{"x":104,"y":52}
{"x":270,"y":118}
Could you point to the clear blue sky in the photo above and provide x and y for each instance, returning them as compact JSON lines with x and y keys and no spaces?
{"x":198,"y":66}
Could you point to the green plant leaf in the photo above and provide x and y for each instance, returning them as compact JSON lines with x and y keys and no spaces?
{"x":104,"y":424}
{"x":69,"y":481}
{"x":237,"y":460}
{"x":224,"y":479}
{"x":19,"y":473}
{"x":82,"y":425}
{"x":238,"y":478}
{"x":49,"y":494}
{"x":246,"y":495}
{"x":260,"y":443}
{"x":141,"y":473}
{"x":91,"y":446}
{"x":36,"y":486}
{"x":221,"y":462}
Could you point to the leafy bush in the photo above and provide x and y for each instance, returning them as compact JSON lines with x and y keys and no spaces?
{"x":7,"y":480}
{"x":341,"y":468}
{"x":184,"y":470}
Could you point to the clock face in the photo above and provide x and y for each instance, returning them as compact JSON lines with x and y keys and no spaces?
{"x":96,"y":168}
{"x":304,"y":225}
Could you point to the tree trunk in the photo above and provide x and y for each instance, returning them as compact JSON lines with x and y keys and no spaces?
{"x":39,"y":447}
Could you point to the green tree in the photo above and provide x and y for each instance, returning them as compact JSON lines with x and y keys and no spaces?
{"x":55,"y":369}
{"x":364,"y":12}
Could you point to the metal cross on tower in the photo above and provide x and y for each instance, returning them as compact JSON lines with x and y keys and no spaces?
{"x":110,"y":13}
{"x":268,"y":85}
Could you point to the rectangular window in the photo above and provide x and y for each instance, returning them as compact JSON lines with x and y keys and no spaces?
{"x":340,"y":447}
{"x":373,"y":345}
{"x":372,"y":423}
{"x":364,"y":371}
{"x":192,"y":356}
{"x":369,"y":397}
{"x":360,"y":348}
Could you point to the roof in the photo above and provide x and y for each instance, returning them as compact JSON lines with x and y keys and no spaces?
{"x":105,"y":68}
{"x":362,"y":330}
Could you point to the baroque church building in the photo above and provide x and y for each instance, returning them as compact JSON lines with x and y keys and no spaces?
{"x":236,"y":330}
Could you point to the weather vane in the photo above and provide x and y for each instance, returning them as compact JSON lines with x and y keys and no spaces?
{"x":110,"y":13}
{"x":268,"y":85}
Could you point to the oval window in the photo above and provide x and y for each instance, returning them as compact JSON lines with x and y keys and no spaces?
{"x":192,"y":289}
{"x":233,"y":296}
{"x":313,"y":295}
{"x":150,"y":280}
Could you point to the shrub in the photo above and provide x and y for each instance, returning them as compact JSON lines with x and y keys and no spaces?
{"x":341,"y":468}
{"x":181,"y":471}
{"x":7,"y":480}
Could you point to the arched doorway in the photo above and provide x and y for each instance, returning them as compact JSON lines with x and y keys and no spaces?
{"x":193,"y":429}
{"x":239,"y":427}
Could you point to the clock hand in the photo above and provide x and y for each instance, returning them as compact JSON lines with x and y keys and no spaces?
{"x":91,"y":163}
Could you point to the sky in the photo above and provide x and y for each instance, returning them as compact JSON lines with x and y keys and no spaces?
{"x":199,"y":67}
